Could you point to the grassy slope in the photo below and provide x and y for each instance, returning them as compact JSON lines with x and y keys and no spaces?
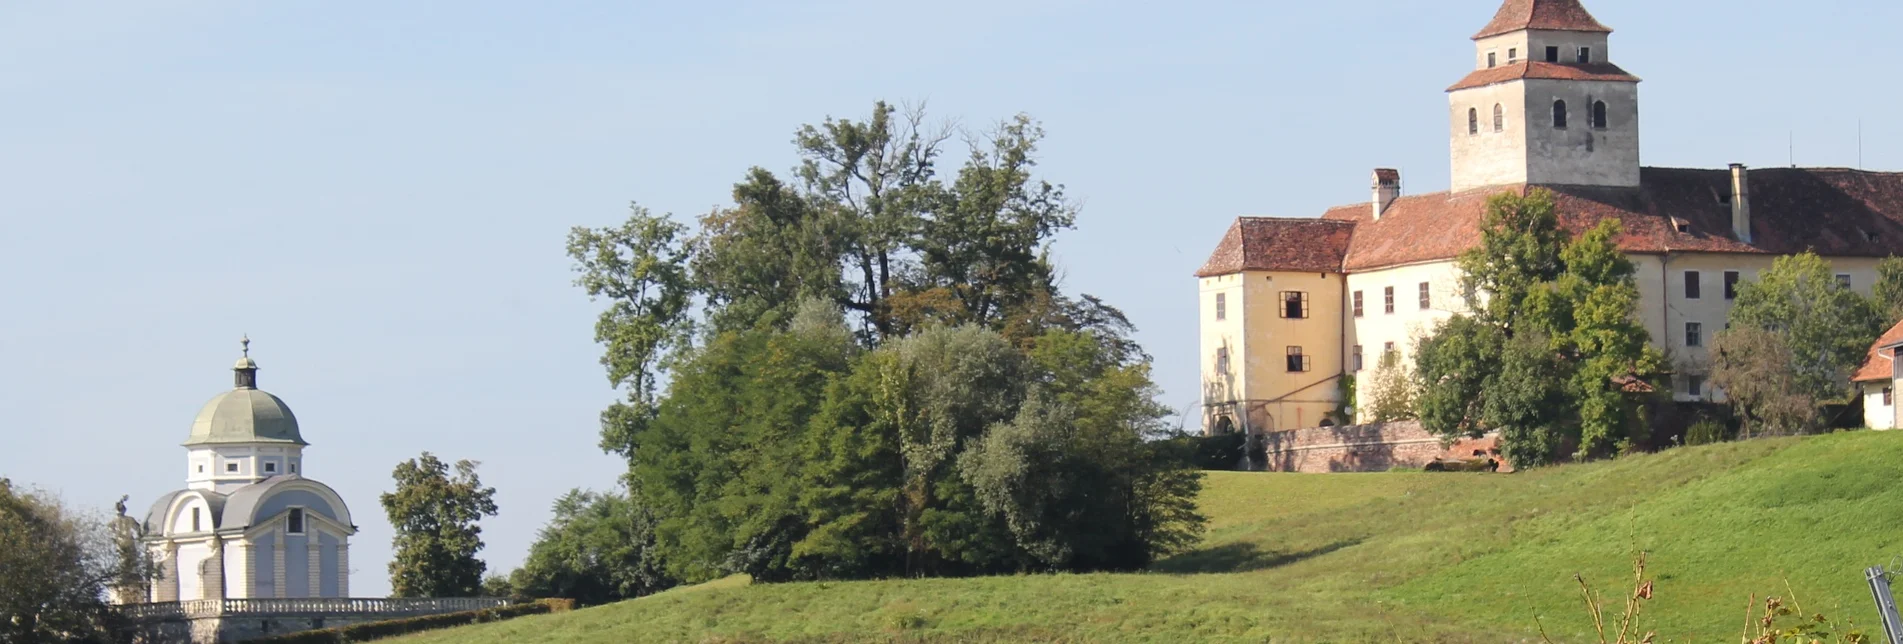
{"x":1379,"y":557}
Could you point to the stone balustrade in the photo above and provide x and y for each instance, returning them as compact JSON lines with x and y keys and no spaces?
{"x":393,"y":606}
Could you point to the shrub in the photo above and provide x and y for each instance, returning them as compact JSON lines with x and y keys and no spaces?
{"x":368,"y":631}
{"x":1219,"y":452}
{"x":1705,"y":432}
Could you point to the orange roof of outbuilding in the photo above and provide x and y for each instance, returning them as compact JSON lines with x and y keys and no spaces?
{"x":1877,"y":366}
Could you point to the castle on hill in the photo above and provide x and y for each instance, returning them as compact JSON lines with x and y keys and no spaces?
{"x":1289,"y":306}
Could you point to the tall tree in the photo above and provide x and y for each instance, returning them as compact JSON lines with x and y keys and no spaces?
{"x":1820,"y":329}
{"x":55,"y":566}
{"x":1887,"y":294}
{"x":640,"y":268}
{"x":1549,"y":344}
{"x":435,"y":515}
{"x":1827,"y":327}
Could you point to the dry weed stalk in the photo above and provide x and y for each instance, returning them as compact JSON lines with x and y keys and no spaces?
{"x":1628,"y":622}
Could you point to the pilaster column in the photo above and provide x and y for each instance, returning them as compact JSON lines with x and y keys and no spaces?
{"x":314,"y":553}
{"x":240,"y":575}
{"x":212,"y":572}
{"x":166,"y":588}
{"x":277,"y":563}
{"x":343,"y":566}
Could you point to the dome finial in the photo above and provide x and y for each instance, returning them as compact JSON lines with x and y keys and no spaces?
{"x":245,"y":340}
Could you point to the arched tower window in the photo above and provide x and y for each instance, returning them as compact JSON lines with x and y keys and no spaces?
{"x":1473,"y":120}
{"x":1559,"y":114}
{"x":1499,"y":118}
{"x":1599,"y":115}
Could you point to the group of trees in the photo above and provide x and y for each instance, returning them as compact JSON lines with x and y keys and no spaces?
{"x":1793,"y":339}
{"x":869,"y":370}
{"x":1551,"y":355}
{"x":1550,"y":348}
{"x":56,"y":565}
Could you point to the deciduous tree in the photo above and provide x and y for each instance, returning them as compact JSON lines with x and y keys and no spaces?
{"x":435,"y":515}
{"x":55,"y":566}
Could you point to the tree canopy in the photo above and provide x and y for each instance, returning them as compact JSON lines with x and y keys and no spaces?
{"x":1549,"y":346}
{"x":435,"y":515}
{"x":871,"y":370}
{"x":1794,"y":337}
{"x":55,"y":567}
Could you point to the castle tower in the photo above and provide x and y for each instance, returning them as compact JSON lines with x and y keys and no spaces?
{"x":1545,"y":104}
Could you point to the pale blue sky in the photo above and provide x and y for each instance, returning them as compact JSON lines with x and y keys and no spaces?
{"x":377,"y":192}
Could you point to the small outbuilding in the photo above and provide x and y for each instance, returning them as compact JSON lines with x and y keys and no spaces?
{"x":1876,"y":379}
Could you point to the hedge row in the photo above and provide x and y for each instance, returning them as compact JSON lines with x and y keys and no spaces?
{"x":368,"y":631}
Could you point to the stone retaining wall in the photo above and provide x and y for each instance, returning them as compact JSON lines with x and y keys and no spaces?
{"x":1368,"y":448}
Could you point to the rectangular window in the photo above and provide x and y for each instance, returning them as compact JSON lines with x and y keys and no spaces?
{"x":1354,"y":358}
{"x":1222,"y":306}
{"x":1297,"y":363}
{"x":294,"y":524}
{"x":270,"y":468}
{"x":1389,"y":294}
{"x":1491,"y":63}
{"x":1513,"y":55}
{"x":1222,"y":361}
{"x":1695,"y":386}
{"x":1585,"y":55}
{"x":1694,"y":334}
{"x":1843,"y":279}
{"x":1357,"y":303}
{"x":231,"y":467}
{"x":293,"y":468}
{"x":1731,"y":285}
{"x":1427,"y":296}
{"x":1692,"y":291}
{"x":1552,"y":54}
{"x":1889,"y":396}
{"x":1387,"y":350}
{"x":195,"y":527}
{"x":1295,"y":305}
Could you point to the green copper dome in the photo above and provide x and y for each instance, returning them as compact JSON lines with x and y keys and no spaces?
{"x":245,"y":414}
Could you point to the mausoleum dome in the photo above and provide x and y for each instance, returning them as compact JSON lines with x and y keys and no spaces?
{"x":245,"y":414}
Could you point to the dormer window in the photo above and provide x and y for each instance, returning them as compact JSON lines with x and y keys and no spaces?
{"x":294,"y":524}
{"x":1681,"y":225}
{"x":195,"y":525}
{"x":1585,"y":55}
{"x":1552,"y":54}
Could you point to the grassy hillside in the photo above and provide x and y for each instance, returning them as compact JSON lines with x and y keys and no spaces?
{"x":1379,"y":557}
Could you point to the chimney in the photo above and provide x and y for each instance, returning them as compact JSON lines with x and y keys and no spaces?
{"x":1740,"y":203}
{"x":1387,"y":188}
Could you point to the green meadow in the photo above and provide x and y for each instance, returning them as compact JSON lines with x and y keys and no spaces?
{"x":1409,"y":557}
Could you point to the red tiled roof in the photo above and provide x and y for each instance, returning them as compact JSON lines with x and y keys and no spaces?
{"x":1545,"y":70}
{"x":1877,"y":366}
{"x":1831,"y":211}
{"x":1554,"y":15}
{"x":1277,"y":244}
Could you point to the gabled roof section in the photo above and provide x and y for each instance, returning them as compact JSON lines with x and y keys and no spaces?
{"x":1551,"y":15}
{"x":1876,"y":366}
{"x":1830,"y":211}
{"x":1280,"y":244}
{"x":1545,"y":70}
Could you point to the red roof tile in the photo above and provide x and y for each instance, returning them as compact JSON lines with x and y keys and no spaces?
{"x":1277,"y":244}
{"x":1554,"y":15}
{"x":1831,"y":211}
{"x":1545,"y":70}
{"x":1877,"y":365}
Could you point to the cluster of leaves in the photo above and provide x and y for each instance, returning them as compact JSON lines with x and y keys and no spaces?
{"x":435,"y":516}
{"x":55,"y":567}
{"x":869,"y":371}
{"x":1390,"y":391}
{"x":598,"y":548}
{"x":1794,"y":337}
{"x":1551,"y":354}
